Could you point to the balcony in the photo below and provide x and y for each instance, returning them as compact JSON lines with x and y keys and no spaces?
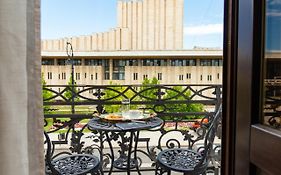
{"x":183,"y":108}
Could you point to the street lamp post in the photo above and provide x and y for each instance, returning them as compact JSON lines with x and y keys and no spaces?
{"x":69,"y":53}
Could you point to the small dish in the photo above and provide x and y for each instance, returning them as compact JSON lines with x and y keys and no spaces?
{"x":134,"y":115}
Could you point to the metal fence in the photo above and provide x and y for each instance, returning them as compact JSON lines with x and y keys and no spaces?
{"x":184,"y":109}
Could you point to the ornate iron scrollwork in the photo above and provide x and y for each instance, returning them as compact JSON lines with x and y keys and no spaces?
{"x":161,"y":99}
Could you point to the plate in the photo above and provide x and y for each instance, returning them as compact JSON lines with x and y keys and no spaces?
{"x":120,"y":117}
{"x":112,"y":116}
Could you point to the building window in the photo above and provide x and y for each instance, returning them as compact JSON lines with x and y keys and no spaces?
{"x":93,"y":62}
{"x":218,"y":75}
{"x":220,"y":62}
{"x":132,"y":62}
{"x":209,"y":77}
{"x":59,"y":76}
{"x":49,"y":75}
{"x":48,"y":62}
{"x":96,"y":76}
{"x":76,"y":62}
{"x":201,"y":77}
{"x":163,"y":62}
{"x":85,"y":75}
{"x":118,"y":69}
{"x":159,"y":76}
{"x":178,"y":62}
{"x":92,"y":77}
{"x":62,"y":62}
{"x":77,"y":76}
{"x":211,"y":62}
{"x":105,"y":64}
{"x":154,"y":62}
{"x":215,"y":62}
{"x":147,"y":62}
{"x":180,"y":77}
{"x":135,"y":76}
{"x":205,"y":62}
{"x":63,"y":75}
{"x":145,"y":77}
{"x":188,"y":76}
{"x":191,"y":62}
{"x":182,"y":62}
{"x":106,"y":75}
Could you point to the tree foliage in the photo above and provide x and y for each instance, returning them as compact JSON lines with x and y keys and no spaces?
{"x":110,"y":93}
{"x":149,"y":92}
{"x":45,"y":93}
{"x":68,"y":93}
{"x":178,"y":93}
{"x":113,"y":93}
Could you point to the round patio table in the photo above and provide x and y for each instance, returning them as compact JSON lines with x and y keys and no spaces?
{"x":115,"y":129}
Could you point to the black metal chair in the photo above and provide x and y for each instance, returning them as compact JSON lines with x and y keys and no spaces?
{"x":74,"y":164}
{"x":188,"y":161}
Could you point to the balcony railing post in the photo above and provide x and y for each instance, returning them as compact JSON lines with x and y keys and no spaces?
{"x":70,"y":58}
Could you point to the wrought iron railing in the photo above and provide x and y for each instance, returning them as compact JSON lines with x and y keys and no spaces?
{"x":184,"y":109}
{"x":272,"y":103}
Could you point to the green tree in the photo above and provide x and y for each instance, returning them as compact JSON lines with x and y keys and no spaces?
{"x":46,"y":94}
{"x":149,"y":92}
{"x":111,"y":93}
{"x":148,"y":89}
{"x":68,"y":93}
{"x":174,"y":95}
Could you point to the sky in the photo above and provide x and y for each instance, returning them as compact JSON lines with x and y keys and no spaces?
{"x":273,"y":25}
{"x":203,"y":20}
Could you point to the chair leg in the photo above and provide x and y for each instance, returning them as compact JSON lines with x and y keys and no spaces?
{"x":169,"y":172}
{"x":159,"y":170}
{"x":101,"y":171}
{"x":97,"y":172}
{"x":156,"y":169}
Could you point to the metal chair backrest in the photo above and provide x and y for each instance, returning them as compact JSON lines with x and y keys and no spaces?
{"x":48,"y":156}
{"x":210,"y":136}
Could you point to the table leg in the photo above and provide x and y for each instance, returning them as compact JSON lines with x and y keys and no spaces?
{"x":101,"y":151}
{"x":135,"y":151}
{"x":129,"y":152}
{"x":111,"y":151}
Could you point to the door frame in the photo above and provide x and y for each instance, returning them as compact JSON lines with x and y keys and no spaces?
{"x":247,"y":146}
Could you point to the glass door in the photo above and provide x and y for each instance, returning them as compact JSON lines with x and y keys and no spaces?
{"x":265,"y":146}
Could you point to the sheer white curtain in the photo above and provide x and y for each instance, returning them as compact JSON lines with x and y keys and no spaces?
{"x":21,"y":118}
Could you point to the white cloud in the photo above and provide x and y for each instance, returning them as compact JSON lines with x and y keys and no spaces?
{"x":274,"y":2}
{"x":204,"y":29}
{"x":273,"y":12}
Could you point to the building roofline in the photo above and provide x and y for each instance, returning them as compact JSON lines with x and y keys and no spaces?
{"x":273,"y":54}
{"x":162,"y":53}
